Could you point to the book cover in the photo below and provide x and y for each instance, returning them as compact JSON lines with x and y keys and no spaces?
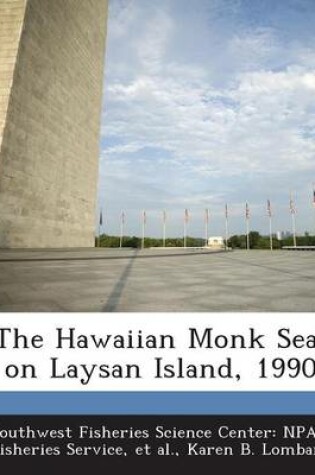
{"x":156,"y":233}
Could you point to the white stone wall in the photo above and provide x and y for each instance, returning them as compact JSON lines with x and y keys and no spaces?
{"x":11,"y":20}
{"x":50,"y":148}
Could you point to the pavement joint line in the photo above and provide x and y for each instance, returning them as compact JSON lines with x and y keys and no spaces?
{"x":97,"y":258}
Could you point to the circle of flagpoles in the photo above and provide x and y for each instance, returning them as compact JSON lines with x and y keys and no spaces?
{"x":186,"y":219}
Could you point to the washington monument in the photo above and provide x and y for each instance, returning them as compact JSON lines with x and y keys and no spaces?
{"x":51,"y":75}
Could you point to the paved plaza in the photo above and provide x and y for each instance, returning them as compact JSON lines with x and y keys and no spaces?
{"x":114,"y":280}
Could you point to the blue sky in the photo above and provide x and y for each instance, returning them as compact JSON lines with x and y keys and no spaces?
{"x":208,"y":102}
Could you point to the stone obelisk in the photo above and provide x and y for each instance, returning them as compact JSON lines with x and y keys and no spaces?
{"x":51,"y":75}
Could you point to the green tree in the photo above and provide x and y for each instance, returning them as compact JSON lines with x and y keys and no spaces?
{"x":254,"y":238}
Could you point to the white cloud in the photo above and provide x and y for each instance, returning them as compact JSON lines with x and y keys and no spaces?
{"x":203,"y":125}
{"x":152,"y":44}
{"x":259,"y":122}
{"x":123,"y":14}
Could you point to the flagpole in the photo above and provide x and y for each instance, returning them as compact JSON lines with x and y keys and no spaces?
{"x":293,"y":211}
{"x":185,"y":227}
{"x":226,"y":228}
{"x":247,"y":227}
{"x":143,"y":229}
{"x":294,"y":229}
{"x":121,"y":234}
{"x":122,"y":218}
{"x":206,"y":227}
{"x":270,"y":223}
{"x":247,"y":234}
{"x":164,"y":227}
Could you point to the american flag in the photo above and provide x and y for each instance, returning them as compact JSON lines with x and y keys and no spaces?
{"x":292,"y":205}
{"x":226,"y":211}
{"x":269,"y":208}
{"x":247,"y":211}
{"x":144,"y":217}
{"x":186,"y":216}
{"x":101,"y":218}
{"x":314,"y":195}
{"x":164,"y":216}
{"x":122,"y":217}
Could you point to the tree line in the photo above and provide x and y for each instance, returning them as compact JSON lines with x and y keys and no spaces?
{"x":257,"y":241}
{"x":237,"y":241}
{"x":106,"y":240}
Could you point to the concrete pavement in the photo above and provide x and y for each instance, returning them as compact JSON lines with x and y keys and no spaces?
{"x":111,"y":280}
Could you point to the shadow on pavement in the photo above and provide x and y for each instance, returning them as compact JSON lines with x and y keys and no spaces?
{"x":115,"y":295}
